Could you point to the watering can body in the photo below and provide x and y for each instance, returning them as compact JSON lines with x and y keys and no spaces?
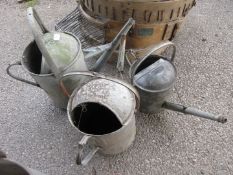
{"x":153,"y":76}
{"x":106,"y":92}
{"x":151,"y":102}
{"x":31,"y":63}
{"x":66,"y":52}
{"x":61,"y":53}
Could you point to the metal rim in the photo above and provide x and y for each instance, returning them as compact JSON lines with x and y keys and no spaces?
{"x":51,"y":74}
{"x":123,"y":125}
{"x":153,"y":91}
{"x":24,"y":65}
{"x":69,"y":107}
{"x":98,"y":75}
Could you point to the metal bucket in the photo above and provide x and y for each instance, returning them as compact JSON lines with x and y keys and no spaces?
{"x":104,"y":111}
{"x":152,"y":99}
{"x":31,"y":62}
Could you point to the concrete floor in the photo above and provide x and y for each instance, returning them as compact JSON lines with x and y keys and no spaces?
{"x":38,"y":135}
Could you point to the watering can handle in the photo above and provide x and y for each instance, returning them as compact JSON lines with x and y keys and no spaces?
{"x":151,"y":49}
{"x":161,"y":45}
{"x":81,"y":145}
{"x":18,"y":63}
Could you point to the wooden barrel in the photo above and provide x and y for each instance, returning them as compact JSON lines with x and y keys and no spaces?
{"x":156,"y":20}
{"x":143,"y":11}
{"x":144,"y":35}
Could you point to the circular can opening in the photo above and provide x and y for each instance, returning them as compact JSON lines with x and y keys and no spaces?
{"x":32,"y":58}
{"x":147,"y":62}
{"x":154,"y":73}
{"x":94,"y":118}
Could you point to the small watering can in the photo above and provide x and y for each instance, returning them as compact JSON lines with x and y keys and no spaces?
{"x":103,"y":110}
{"x":53,"y":54}
{"x":154,"y":77}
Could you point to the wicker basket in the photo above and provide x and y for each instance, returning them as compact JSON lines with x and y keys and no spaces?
{"x":143,"y":11}
{"x":155,"y":20}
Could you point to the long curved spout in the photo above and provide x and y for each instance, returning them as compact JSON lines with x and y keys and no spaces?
{"x":114,"y":44}
{"x":193,"y":111}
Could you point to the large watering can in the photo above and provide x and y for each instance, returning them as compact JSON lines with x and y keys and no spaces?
{"x":154,"y":77}
{"x":62,"y":51}
{"x":53,"y":54}
{"x":103,"y":110}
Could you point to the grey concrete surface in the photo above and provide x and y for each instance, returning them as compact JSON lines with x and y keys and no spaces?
{"x":37,"y":134}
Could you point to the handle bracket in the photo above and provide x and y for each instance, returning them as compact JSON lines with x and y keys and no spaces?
{"x":18,"y":63}
{"x":84,"y":161}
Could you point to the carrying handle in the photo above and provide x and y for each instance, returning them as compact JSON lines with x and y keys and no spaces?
{"x":18,"y":63}
{"x":151,"y":49}
{"x":162,"y":45}
{"x":84,"y":161}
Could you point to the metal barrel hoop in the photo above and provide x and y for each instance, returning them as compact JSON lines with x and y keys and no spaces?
{"x":18,"y":63}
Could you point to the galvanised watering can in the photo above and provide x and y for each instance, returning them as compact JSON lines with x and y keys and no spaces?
{"x":63,"y":52}
{"x":103,"y":110}
{"x":154,"y":77}
{"x":54,"y":54}
{"x":31,"y":63}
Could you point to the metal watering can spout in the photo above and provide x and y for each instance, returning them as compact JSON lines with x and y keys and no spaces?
{"x":193,"y":111}
{"x":38,"y":30}
{"x":112,"y":46}
{"x":32,"y":14}
{"x":154,"y":77}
